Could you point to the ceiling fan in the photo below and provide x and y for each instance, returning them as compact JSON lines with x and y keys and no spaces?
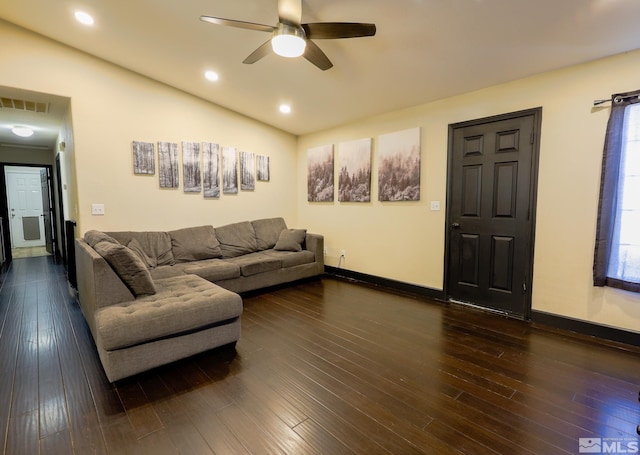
{"x":291,"y":38}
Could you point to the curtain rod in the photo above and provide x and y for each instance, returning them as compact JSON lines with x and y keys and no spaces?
{"x":617,"y":99}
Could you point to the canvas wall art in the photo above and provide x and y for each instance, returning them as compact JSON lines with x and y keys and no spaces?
{"x":168,"y":165}
{"x":247,"y":171}
{"x":320,"y":178}
{"x":191,"y":167}
{"x":354,"y":161}
{"x":144,"y":158}
{"x":399,"y":166}
{"x":229,"y":170}
{"x":211,"y":170}
{"x":262,"y":168}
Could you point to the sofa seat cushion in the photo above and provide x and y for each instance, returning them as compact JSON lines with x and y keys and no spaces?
{"x":254,"y":263}
{"x":169,"y":271}
{"x":214,"y":270}
{"x":180,"y":305}
{"x":292,"y":258}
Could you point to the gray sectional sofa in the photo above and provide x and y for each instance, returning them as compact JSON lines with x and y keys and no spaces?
{"x":151,"y":298}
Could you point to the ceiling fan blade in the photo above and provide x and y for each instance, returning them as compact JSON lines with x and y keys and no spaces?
{"x":315,"y":55}
{"x":258,"y":53}
{"x":334,"y":30}
{"x":290,"y":11}
{"x":238,"y":24}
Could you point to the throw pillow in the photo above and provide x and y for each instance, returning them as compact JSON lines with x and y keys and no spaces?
{"x":195,"y":244}
{"x":135,"y":246}
{"x":128,"y":266}
{"x":93,"y":237}
{"x":291,"y":240}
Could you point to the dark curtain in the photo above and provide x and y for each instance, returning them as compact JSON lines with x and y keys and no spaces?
{"x":613,"y":146}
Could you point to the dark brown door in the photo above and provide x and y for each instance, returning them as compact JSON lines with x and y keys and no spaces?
{"x":491,"y":198}
{"x":47,"y":208}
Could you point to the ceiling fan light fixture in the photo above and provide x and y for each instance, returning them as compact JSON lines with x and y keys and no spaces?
{"x":288,"y":41}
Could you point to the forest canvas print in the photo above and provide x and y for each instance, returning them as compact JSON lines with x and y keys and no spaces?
{"x":354,"y":161}
{"x":399,"y":166}
{"x":143,"y":158}
{"x":168,"y":164}
{"x":211,"y":170}
{"x":262,"y":168}
{"x":247,"y":171}
{"x":229,"y":170}
{"x":320,"y":180}
{"x":191,"y":167}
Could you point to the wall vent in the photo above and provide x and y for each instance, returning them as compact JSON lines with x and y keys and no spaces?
{"x":23,"y":105}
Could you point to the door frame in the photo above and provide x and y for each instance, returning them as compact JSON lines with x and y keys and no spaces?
{"x":4,"y":206}
{"x":533,"y":195}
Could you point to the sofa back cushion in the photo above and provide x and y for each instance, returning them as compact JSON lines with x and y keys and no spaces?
{"x":195,"y":244}
{"x":237,"y":239}
{"x":267,"y":231}
{"x":128,"y":266}
{"x":155,"y":245}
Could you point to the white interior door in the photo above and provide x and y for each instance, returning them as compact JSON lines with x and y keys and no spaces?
{"x":24,"y":195}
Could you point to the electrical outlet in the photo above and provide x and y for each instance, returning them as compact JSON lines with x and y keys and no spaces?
{"x":343,"y":254}
{"x":325,"y":251}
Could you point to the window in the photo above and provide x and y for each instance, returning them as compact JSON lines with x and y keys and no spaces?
{"x":617,"y":255}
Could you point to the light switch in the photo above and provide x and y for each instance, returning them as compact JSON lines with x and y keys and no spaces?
{"x":435,"y":206}
{"x":97,"y":209}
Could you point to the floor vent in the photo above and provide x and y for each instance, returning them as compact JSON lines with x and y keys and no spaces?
{"x":23,"y":105}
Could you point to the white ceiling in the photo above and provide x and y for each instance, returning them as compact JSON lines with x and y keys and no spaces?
{"x":423,"y":50}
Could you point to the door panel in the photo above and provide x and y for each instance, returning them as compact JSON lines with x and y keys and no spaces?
{"x":25,"y":205}
{"x":491,"y":189}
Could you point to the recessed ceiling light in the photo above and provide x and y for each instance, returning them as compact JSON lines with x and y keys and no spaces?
{"x":22,"y":131}
{"x":84,"y":18}
{"x":285,"y":108}
{"x":211,"y":75}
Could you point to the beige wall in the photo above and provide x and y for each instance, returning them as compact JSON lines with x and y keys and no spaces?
{"x":110,"y":108}
{"x":19,"y":155}
{"x":405,"y":241}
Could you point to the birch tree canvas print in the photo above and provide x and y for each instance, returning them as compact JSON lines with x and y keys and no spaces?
{"x":210,"y":169}
{"x":191,"y":167}
{"x":262,"y":168}
{"x":168,"y":164}
{"x":247,"y":171}
{"x":399,"y":166}
{"x":320,"y":174}
{"x":229,"y":170}
{"x":143,"y":158}
{"x":354,"y":182}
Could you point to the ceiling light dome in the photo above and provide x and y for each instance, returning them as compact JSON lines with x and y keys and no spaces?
{"x":288,"y":41}
{"x":22,"y":131}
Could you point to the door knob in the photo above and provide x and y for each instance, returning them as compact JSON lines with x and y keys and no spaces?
{"x":455,"y":225}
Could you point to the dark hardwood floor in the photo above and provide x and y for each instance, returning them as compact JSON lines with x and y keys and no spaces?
{"x":323,"y":366}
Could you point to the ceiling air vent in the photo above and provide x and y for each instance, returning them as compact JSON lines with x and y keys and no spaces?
{"x":23,"y":105}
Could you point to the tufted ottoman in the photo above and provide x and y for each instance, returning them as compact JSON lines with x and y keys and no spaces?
{"x":187,"y":315}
